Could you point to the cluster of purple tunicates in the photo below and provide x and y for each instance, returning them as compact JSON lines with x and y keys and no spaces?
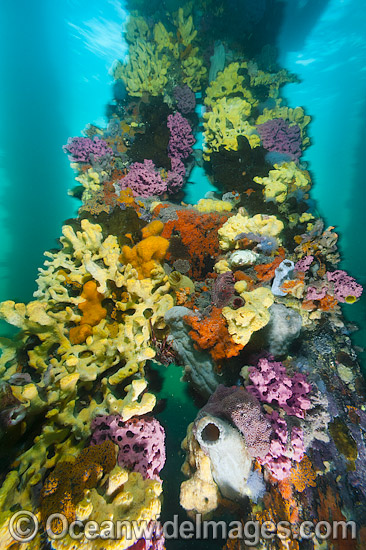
{"x":141,"y":442}
{"x":82,"y":149}
{"x":277,"y":135}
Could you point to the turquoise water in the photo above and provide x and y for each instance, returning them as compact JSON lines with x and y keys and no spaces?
{"x":54,"y":82}
{"x":323,"y":42}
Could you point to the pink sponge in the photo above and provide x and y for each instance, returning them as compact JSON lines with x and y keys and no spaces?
{"x":140,"y":441}
{"x":283,"y":450}
{"x":344,"y":286}
{"x":304,"y":264}
{"x":270,"y":383}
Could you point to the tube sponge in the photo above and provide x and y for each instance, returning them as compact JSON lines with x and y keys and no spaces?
{"x":282,"y":273}
{"x":243,"y":410}
{"x":230,"y":460}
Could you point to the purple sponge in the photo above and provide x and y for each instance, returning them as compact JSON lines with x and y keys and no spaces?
{"x":181,"y":137}
{"x":244,"y":411}
{"x":84,"y":149}
{"x":277,"y":135}
{"x":283,"y":449}
{"x":143,"y":180}
{"x":140,"y":441}
{"x":186,"y":99}
{"x":344,"y":286}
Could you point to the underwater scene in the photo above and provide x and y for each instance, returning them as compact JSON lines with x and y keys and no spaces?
{"x":186,"y":370}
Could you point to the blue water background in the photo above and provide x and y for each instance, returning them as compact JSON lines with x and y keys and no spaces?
{"x":324,"y":43}
{"x":54,"y":82}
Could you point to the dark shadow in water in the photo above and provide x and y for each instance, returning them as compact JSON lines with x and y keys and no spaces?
{"x":255,"y":23}
{"x":33,"y":129}
{"x":301,"y":17}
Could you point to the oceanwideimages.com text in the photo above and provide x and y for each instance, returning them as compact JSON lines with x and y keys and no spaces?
{"x":24,"y":526}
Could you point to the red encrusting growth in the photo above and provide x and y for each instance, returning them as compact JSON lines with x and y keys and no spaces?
{"x":266,"y":272}
{"x":211,"y":333}
{"x":198,"y":235}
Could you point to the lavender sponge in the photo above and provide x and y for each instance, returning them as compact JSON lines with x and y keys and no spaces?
{"x":140,"y":441}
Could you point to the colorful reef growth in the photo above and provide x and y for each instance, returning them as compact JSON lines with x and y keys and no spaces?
{"x":242,"y":292}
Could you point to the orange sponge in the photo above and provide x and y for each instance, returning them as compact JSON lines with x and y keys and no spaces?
{"x":146,"y":255}
{"x":153,"y":228}
{"x":93,"y":313}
